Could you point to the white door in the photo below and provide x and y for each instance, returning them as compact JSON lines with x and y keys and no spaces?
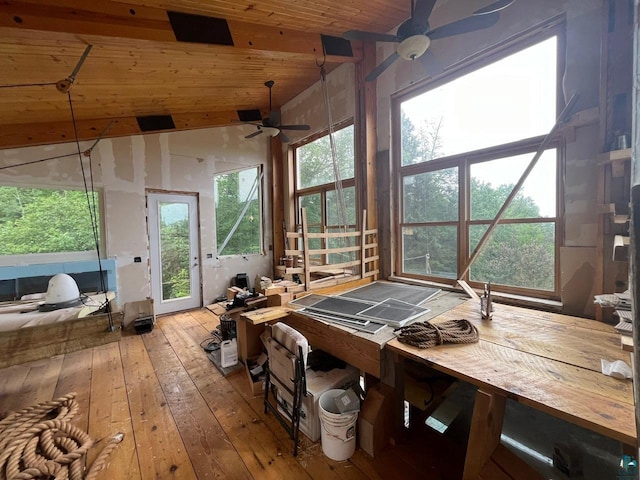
{"x":174,"y":250}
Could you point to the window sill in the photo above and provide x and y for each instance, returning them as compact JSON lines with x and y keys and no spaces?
{"x":506,"y":298}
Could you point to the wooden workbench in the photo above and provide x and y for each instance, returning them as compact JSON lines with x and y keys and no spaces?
{"x":364,"y":351}
{"x":548,"y":361}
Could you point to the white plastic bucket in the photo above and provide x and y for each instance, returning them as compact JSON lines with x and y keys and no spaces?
{"x":338,"y":430}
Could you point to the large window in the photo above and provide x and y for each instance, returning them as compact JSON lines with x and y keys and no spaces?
{"x":46,"y":221}
{"x":330,"y":205}
{"x":238,"y":212}
{"x":463,"y":145}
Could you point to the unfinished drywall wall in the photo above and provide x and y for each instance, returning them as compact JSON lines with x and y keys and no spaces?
{"x":125,"y":168}
{"x":309,"y":107}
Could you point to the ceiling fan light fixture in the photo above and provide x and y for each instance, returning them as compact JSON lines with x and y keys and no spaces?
{"x":271,"y":131}
{"x":413,"y":47}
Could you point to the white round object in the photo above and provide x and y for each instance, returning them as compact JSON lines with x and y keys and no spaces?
{"x":413,"y":47}
{"x":62,"y":289}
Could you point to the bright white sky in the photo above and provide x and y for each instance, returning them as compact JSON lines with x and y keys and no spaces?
{"x":512,"y":99}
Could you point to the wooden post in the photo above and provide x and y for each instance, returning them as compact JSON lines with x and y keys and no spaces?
{"x":634,"y":255}
{"x":366,"y":128}
{"x":398,"y":401}
{"x":277,"y":199}
{"x":305,"y":247}
{"x":363,"y":242}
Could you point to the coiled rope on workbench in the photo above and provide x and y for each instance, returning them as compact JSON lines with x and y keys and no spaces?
{"x":426,"y":335}
{"x":39,"y":442}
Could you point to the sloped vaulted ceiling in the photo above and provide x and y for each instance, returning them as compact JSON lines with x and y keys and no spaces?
{"x":197,"y":61}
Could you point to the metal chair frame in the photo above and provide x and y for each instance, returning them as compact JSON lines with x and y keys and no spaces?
{"x":296,"y":387}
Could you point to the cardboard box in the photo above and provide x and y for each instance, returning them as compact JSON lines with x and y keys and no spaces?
{"x":279,"y":299}
{"x":317,"y":384}
{"x":375,"y":422}
{"x":274,"y":290}
{"x":232,"y":292}
{"x":256,"y":387}
{"x":249,"y":343}
{"x":138,"y":310}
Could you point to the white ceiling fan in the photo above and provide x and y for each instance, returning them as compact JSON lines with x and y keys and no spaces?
{"x":414,"y":35}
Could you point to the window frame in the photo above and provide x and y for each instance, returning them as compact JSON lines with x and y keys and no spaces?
{"x":463,"y":162}
{"x":61,"y":257}
{"x":260,"y":197}
{"x":324,"y":188}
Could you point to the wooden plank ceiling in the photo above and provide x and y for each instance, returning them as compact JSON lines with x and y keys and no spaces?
{"x":137,"y":67}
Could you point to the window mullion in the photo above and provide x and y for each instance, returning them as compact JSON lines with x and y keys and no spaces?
{"x":464,"y":216}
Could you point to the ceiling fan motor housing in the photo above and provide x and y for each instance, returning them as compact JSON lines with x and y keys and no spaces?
{"x":413,"y":47}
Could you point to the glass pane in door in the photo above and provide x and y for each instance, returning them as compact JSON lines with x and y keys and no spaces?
{"x":175,"y":250}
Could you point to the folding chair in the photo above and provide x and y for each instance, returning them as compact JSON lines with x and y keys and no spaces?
{"x":285,"y":371}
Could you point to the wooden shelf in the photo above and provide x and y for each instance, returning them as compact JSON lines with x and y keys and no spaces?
{"x":620,"y":248}
{"x":614,"y":156}
{"x":617,"y":160}
{"x":619,"y":212}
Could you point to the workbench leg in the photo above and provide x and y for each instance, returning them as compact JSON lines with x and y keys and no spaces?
{"x":398,"y":402}
{"x":484,"y":437}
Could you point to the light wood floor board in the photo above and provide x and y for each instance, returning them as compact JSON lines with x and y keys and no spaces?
{"x":264,"y":456}
{"x":212,"y":454}
{"x":183,"y":419}
{"x":109,"y":412}
{"x":75,"y":376}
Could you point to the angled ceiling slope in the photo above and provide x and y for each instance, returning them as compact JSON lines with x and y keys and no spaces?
{"x":150,"y":60}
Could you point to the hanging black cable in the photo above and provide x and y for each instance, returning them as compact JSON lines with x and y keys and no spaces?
{"x":29,"y":85}
{"x":38,"y":161}
{"x":92,"y":209}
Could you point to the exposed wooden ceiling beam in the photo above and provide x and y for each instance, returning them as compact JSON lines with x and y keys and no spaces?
{"x":43,"y":133}
{"x":114,"y":19}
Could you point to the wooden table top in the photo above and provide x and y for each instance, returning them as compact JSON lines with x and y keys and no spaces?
{"x":548,"y":361}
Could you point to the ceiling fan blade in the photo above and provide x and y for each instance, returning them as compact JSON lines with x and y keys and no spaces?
{"x":369,"y":36}
{"x":465,"y":25}
{"x":72,"y":77}
{"x":420,"y":16}
{"x":386,"y":63}
{"x":254,"y":134}
{"x":294,"y":127}
{"x":283,"y":137}
{"x":273,"y":119}
{"x":494,"y":7}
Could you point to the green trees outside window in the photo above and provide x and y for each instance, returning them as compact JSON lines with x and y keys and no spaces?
{"x":233,"y":192}
{"x":459,"y":160}
{"x":315,"y":180}
{"x":38,"y":220}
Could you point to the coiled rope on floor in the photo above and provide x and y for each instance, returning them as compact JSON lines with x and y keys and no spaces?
{"x":426,"y":335}
{"x":39,"y":442}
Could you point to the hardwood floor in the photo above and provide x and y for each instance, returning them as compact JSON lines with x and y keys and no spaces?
{"x":183,"y":420}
